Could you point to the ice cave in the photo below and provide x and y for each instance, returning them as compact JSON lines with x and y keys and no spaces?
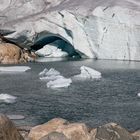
{"x":54,"y":46}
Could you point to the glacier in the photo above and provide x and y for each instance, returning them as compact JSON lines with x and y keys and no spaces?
{"x":101,"y":29}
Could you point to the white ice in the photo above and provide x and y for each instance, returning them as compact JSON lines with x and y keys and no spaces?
{"x":54,"y":79}
{"x":14,"y":69}
{"x":88,"y":73}
{"x":59,"y":83}
{"x":16,"y":117}
{"x":51,"y":51}
{"x":42,"y":73}
{"x":51,"y":74}
{"x":6,"y":98}
{"x":138,"y":94}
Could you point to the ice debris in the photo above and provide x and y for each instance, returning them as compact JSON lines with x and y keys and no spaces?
{"x":6,"y":98}
{"x":54,"y":79}
{"x":14,"y":69}
{"x":88,"y":73}
{"x":59,"y":83}
{"x":51,"y":51}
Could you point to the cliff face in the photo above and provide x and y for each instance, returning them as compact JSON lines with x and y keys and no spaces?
{"x":103,"y":29}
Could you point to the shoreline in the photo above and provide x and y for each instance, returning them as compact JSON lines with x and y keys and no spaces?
{"x":61,"y":129}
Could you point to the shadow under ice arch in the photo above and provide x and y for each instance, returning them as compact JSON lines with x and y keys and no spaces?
{"x":58,"y":41}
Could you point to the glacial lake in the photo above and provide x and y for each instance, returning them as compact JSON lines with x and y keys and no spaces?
{"x":113,"y":98}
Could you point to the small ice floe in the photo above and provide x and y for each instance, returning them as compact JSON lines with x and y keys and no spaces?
{"x":15,"y":117}
{"x":6,"y":98}
{"x":51,"y":74}
{"x":88,"y":73}
{"x":59,"y":83}
{"x":14,"y":69}
{"x":54,"y":79}
{"x":138,"y":94}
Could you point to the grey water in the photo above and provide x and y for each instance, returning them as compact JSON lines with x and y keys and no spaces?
{"x":113,"y":98}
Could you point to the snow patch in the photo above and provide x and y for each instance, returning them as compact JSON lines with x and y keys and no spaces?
{"x":88,"y":73}
{"x":14,"y":69}
{"x":6,"y":98}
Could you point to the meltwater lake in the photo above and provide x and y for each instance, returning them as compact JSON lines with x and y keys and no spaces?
{"x":113,"y":98}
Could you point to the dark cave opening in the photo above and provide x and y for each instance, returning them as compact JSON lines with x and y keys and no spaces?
{"x":57,"y":41}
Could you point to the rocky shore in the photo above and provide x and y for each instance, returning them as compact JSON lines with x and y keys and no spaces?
{"x":11,"y":53}
{"x":61,"y":129}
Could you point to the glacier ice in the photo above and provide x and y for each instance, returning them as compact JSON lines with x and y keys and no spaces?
{"x":51,"y":51}
{"x":59,"y":83}
{"x":52,"y":71}
{"x":54,"y":79}
{"x":88,"y":73}
{"x":16,"y":117}
{"x":14,"y":68}
{"x":102,"y":29}
{"x":42,"y":73}
{"x":6,"y":98}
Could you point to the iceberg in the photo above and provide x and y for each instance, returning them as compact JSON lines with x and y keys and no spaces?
{"x":59,"y":83}
{"x":54,"y":78}
{"x":51,"y":74}
{"x":6,"y":98}
{"x":88,"y":73}
{"x":42,"y":73}
{"x":138,"y":94}
{"x":14,"y":69}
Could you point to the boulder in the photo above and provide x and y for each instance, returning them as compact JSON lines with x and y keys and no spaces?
{"x":137,"y":134}
{"x":54,"y":136}
{"x":40,"y":131}
{"x":13,"y":54}
{"x":102,"y":29}
{"x":113,"y":131}
{"x":9,"y":53}
{"x":75,"y":131}
{"x":8,"y":130}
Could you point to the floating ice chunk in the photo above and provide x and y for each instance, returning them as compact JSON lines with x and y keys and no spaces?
{"x":52,"y":77}
{"x":7,"y":98}
{"x":53,"y":72}
{"x":16,"y":117}
{"x":14,"y":69}
{"x":45,"y":74}
{"x":138,"y":94}
{"x":42,"y":73}
{"x":59,"y":83}
{"x":88,"y":73}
